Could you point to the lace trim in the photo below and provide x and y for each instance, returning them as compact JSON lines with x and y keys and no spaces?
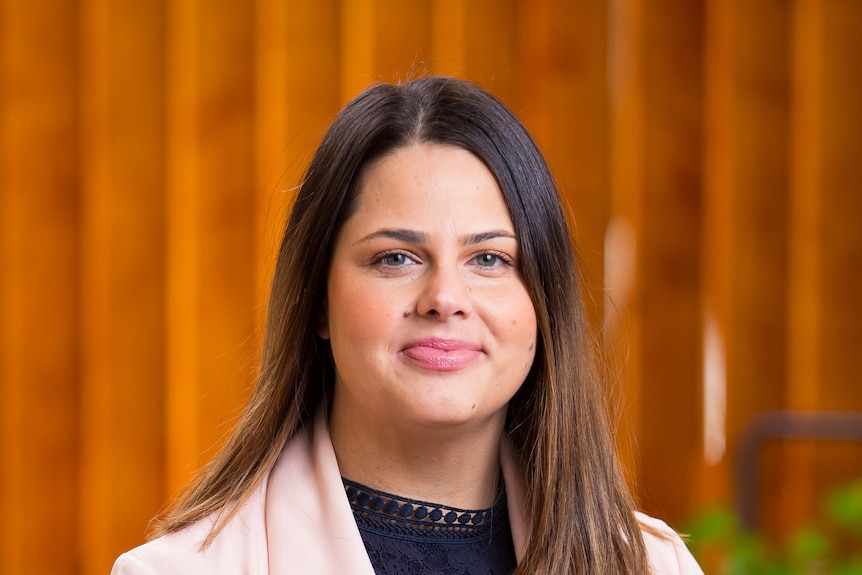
{"x":387,"y":514}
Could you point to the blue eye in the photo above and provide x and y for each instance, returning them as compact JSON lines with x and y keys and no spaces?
{"x":395,"y":260}
{"x":487,"y":260}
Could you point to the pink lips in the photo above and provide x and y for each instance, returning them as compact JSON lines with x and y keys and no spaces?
{"x":441,"y":354}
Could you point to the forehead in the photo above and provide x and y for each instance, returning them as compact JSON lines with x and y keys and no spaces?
{"x":424,"y":183}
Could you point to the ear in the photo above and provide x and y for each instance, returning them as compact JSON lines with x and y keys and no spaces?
{"x":322,"y":323}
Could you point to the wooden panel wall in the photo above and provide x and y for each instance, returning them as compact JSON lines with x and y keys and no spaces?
{"x":707,"y":150}
{"x":123,"y":329}
{"x":40,"y":345}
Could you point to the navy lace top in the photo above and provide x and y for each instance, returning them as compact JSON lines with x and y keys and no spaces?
{"x":409,"y":537}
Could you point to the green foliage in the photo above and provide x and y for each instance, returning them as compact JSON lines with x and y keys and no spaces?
{"x":832,"y":546}
{"x":844,"y":507}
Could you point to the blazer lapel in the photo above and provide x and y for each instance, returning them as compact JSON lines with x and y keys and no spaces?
{"x":310,"y":526}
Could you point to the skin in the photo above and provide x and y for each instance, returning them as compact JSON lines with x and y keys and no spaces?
{"x":431,"y":326}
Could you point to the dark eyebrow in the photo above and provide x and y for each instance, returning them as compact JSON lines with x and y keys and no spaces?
{"x":407,"y":236}
{"x":414,"y":237}
{"x":474,"y":239}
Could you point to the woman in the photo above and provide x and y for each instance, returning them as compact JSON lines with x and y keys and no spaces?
{"x":427,"y":401}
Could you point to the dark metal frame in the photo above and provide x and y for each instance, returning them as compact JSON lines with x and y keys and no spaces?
{"x":833,"y":426}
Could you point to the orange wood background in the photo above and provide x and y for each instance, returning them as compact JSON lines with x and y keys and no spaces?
{"x":709,"y":151}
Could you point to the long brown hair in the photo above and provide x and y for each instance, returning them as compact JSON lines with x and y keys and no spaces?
{"x":580,"y":516}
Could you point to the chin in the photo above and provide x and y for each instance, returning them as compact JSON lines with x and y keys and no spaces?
{"x":455,"y":416}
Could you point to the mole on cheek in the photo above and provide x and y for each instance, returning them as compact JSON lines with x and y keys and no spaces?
{"x":406,"y":314}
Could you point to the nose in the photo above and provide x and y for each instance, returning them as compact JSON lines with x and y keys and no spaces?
{"x":444,"y":294}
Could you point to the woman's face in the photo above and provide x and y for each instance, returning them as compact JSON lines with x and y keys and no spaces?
{"x":428,"y":317}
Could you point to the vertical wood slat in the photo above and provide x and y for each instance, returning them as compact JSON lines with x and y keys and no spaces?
{"x":840,"y":183}
{"x":622,"y":325}
{"x":490,"y":56}
{"x":841,"y":208}
{"x":720,"y":177}
{"x":123,"y":175}
{"x":668,"y":46}
{"x":383,"y":41}
{"x":274,"y":36}
{"x":563,"y":94}
{"x":804,"y":345}
{"x":210,"y":222}
{"x":478,"y":41}
{"x":670,"y":299}
{"x":757,"y":352}
{"x":39,"y":287}
{"x":402,"y":40}
{"x":182,"y":244}
{"x":745,"y":222}
{"x":448,"y":37}
{"x":297,"y":93}
{"x":825,"y":241}
{"x":358,"y":29}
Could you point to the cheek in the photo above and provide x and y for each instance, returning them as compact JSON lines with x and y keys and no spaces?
{"x":359,"y":314}
{"x":524,"y":317}
{"x":521,"y":328}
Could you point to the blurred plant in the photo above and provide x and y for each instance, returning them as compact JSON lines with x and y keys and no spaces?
{"x":831,"y":547}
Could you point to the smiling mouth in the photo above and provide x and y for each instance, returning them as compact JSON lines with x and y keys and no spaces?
{"x":442,"y":354}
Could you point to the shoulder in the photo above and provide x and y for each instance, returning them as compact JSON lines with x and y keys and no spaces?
{"x":240,"y":547}
{"x":665,"y":548}
{"x":175,"y":553}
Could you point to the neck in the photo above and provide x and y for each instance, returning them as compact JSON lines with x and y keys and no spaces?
{"x":454,"y":466}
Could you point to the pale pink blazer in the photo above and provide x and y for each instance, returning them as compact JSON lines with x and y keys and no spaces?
{"x":300,"y":522}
